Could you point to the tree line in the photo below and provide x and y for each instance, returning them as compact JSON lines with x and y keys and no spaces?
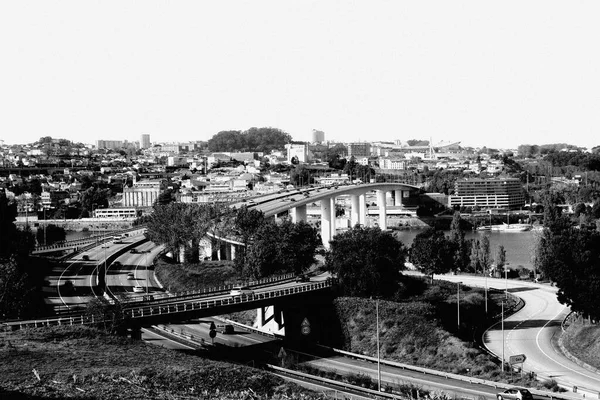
{"x":252,"y":140}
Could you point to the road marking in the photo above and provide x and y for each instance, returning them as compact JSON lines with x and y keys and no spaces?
{"x":595,"y":378}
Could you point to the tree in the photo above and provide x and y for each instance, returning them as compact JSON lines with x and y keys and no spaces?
{"x":293,"y":251}
{"x":14,"y":289}
{"x":50,"y":234}
{"x":571,"y":258}
{"x":485,"y":259}
{"x":500,"y":257}
{"x":475,"y":260}
{"x":300,"y":176}
{"x":432,"y":252}
{"x":246,"y":224}
{"x":461,"y":245}
{"x":367,"y":261}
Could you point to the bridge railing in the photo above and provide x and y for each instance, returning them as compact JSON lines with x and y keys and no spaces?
{"x":190,"y":305}
{"x":170,"y":297}
{"x":171,"y":308}
{"x":106,"y":236}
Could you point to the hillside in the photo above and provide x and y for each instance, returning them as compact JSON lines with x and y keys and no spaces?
{"x":83,"y":363}
{"x":583,"y":342}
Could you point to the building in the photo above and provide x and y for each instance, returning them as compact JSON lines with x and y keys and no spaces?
{"x":109,"y":144}
{"x":359,"y":150}
{"x":504,"y":193}
{"x":318,"y":137}
{"x":145,"y":141}
{"x":120,"y":213}
{"x":141,"y":194}
{"x":300,"y":151}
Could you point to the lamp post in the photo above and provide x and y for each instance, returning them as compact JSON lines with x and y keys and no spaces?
{"x":458,"y":303}
{"x":378,"y":358}
{"x":505,"y":281}
{"x":502,"y":336}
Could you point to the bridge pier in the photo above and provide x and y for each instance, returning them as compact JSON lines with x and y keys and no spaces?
{"x":326,"y":221}
{"x":298,"y":214}
{"x":270,"y":319}
{"x":382,"y":209}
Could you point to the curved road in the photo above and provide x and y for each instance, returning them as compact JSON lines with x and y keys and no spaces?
{"x":532,"y":330}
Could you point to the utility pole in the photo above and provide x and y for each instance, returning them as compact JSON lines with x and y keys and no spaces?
{"x":378,"y":356}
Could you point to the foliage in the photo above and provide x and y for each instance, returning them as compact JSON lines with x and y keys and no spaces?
{"x":93,"y":198}
{"x":245,"y":225}
{"x":367,"y":261}
{"x":50,"y":234}
{"x":281,"y":248}
{"x":571,"y":258}
{"x":254,"y":139}
{"x":106,"y":316}
{"x":461,"y":245}
{"x":442,"y":181}
{"x":432,"y":252}
{"x":300,"y":176}
{"x":501,"y":256}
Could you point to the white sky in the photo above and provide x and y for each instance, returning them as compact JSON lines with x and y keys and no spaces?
{"x":498,"y":74}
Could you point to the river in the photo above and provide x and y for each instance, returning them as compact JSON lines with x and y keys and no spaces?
{"x":519,"y":246}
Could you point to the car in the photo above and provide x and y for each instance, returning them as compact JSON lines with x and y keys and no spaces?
{"x":515,"y":394}
{"x":130,"y":276}
{"x":225,"y":328}
{"x":138,"y":289}
{"x":85,"y":257}
{"x":302,"y":278}
{"x":241,"y":290}
{"x":133,"y":251}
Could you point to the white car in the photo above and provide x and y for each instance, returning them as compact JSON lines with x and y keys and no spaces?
{"x":138,"y":289}
{"x":241,"y":290}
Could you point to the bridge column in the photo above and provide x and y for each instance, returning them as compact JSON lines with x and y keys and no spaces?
{"x":362,"y":210}
{"x":382,"y":209}
{"x":298,"y":214}
{"x":398,"y":197}
{"x":354,"y":212}
{"x":333,"y":218}
{"x":205,"y":249}
{"x":232,"y":252}
{"x":228,"y":248}
{"x":325,"y":221}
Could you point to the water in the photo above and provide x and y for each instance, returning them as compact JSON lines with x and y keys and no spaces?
{"x":519,"y":246}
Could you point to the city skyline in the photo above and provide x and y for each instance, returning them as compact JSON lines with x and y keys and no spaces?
{"x":476,"y":73}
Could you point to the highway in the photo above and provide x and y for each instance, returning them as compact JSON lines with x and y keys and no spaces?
{"x":532,"y":330}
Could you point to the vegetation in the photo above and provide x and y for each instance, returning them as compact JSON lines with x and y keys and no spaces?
{"x":50,"y":234}
{"x":571,"y":258}
{"x":65,"y":362}
{"x":583,"y":341}
{"x":367,"y":261}
{"x":293,"y":251}
{"x":254,"y":140}
{"x":432,"y":252}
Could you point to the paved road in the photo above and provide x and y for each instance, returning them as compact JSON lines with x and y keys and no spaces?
{"x":531,"y":331}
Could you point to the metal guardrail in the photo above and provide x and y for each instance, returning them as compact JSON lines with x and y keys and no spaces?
{"x":183,"y":306}
{"x":152,"y":310}
{"x":170,"y":297}
{"x":446,"y":375}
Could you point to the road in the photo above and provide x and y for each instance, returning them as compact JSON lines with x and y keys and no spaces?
{"x":531,"y":331}
{"x":82,"y":272}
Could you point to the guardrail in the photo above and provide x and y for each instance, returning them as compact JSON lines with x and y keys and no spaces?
{"x":106,"y":236}
{"x":170,"y":297}
{"x":448,"y":375}
{"x":152,"y":310}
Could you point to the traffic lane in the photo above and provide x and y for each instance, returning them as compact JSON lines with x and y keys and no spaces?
{"x":391,"y":375}
{"x":200,"y":329}
{"x":148,"y":335}
{"x":532,"y":330}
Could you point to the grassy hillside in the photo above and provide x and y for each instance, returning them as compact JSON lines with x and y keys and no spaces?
{"x":83,"y":363}
{"x":583,"y":341}
{"x":186,"y":277}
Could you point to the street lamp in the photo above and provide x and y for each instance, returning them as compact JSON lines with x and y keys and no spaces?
{"x":458,"y":303}
{"x":502,"y":336}
{"x":506,"y":281}
{"x":378,"y":358}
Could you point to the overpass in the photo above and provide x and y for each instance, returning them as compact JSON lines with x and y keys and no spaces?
{"x":279,"y":304}
{"x":295,"y":201}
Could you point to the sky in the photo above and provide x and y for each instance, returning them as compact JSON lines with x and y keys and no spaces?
{"x":496,"y":74}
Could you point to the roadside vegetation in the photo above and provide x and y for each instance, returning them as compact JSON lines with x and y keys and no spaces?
{"x":582,"y":340}
{"x":84,"y":363}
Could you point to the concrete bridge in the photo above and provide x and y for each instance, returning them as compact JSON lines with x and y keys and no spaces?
{"x":282,"y":308}
{"x":295,"y":201}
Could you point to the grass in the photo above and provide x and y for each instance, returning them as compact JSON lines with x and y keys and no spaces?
{"x":583,"y":341}
{"x":188,"y":277}
{"x":84,"y":363}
